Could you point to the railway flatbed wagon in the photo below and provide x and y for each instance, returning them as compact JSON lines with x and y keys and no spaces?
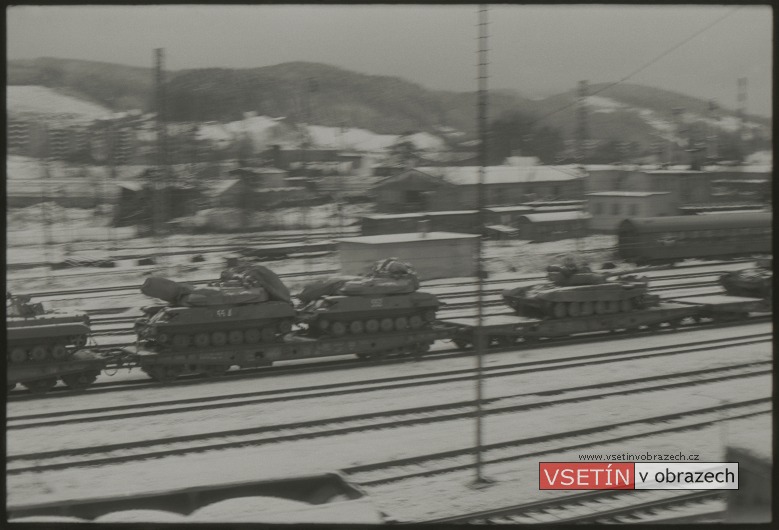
{"x":504,"y":330}
{"x":324,"y":499}
{"x":166,"y":366}
{"x":726,"y":307}
{"x":77,"y":373}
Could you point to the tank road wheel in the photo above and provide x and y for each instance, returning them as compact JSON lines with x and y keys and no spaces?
{"x":202,"y":340}
{"x":612,"y":306}
{"x":387,"y":324}
{"x":163,"y":338}
{"x":371,"y":326}
{"x":356,"y":327}
{"x":338,"y":329}
{"x":59,"y":351}
{"x":79,"y":381}
{"x":252,"y":336}
{"x":40,"y":386}
{"x":625,"y":306}
{"x":39,"y":353}
{"x":235,"y":337}
{"x":164,"y":374}
{"x":429,"y":315}
{"x":415,"y":322}
{"x":285,"y":326}
{"x":401,"y":323}
{"x":79,"y":341}
{"x":574,"y":309}
{"x":218,"y":338}
{"x":323,"y":325}
{"x":268,"y":334}
{"x":214,"y":370}
{"x":18,"y":355}
{"x":181,"y":341}
{"x":462,"y":344}
{"x":559,"y":310}
{"x":586,"y":308}
{"x":600,"y":307}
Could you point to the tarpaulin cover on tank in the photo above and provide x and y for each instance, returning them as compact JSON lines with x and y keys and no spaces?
{"x":269,"y":280}
{"x":223,"y":296}
{"x":321,"y":288}
{"x":165,"y":289}
{"x":380,"y":285}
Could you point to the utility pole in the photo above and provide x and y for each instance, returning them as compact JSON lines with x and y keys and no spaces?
{"x":582,"y":128}
{"x":742,"y":116}
{"x":45,"y":185}
{"x":160,"y":178}
{"x":480,"y":480}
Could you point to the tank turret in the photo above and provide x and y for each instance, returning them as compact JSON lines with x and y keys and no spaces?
{"x":385,"y":299}
{"x":36,"y":335}
{"x":756,"y":282}
{"x":575,"y":290}
{"x":245,"y":306}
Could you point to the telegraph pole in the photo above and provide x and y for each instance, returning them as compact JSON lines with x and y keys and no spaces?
{"x":159,"y":180}
{"x":742,"y":111}
{"x":582,"y":129}
{"x":480,"y":480}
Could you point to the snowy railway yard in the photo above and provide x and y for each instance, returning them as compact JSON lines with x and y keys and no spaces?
{"x":403,"y":429}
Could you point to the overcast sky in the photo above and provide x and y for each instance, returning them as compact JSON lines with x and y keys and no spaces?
{"x":537,"y":50}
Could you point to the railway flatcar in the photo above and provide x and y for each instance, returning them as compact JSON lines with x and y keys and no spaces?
{"x":650,"y":240}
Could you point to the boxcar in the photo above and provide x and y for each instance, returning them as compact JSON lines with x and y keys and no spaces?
{"x":669,"y":239}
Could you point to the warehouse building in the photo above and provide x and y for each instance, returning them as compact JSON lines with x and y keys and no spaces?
{"x":456,"y":188}
{"x":609,"y":208}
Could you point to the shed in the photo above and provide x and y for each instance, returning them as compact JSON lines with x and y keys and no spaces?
{"x":432,"y":254}
{"x":553,"y":226}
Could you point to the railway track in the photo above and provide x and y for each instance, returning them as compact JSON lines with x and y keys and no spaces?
{"x":396,"y":470}
{"x":354,"y":363}
{"x":392,"y":419}
{"x":604,"y":507}
{"x":202,"y":403}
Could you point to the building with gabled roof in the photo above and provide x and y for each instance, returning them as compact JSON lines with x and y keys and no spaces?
{"x":456,"y":188}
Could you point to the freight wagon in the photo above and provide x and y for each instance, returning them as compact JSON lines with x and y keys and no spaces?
{"x":670,"y":239}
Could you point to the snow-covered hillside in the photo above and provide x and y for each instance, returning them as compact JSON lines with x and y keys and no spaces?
{"x":45,"y":101}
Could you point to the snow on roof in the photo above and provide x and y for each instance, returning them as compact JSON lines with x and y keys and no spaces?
{"x":555,"y":216}
{"x":220,"y":187}
{"x":522,"y":161}
{"x":501,"y":209}
{"x":627,"y":193}
{"x":394,"y":216}
{"x":469,"y":175}
{"x":406,"y":238}
{"x":454,"y":212}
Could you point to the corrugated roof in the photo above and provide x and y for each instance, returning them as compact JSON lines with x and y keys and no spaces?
{"x":555,"y":216}
{"x":697,"y":222}
{"x":469,"y":175}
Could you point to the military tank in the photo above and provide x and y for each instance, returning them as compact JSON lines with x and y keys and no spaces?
{"x":574,"y":291}
{"x":246,"y":305}
{"x":384,"y":300}
{"x":35,"y":335}
{"x":755,"y":282}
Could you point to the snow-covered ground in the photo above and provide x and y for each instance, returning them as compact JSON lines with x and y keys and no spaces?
{"x":410,"y":500}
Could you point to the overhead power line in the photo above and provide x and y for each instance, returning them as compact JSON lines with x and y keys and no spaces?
{"x":646,"y":65}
